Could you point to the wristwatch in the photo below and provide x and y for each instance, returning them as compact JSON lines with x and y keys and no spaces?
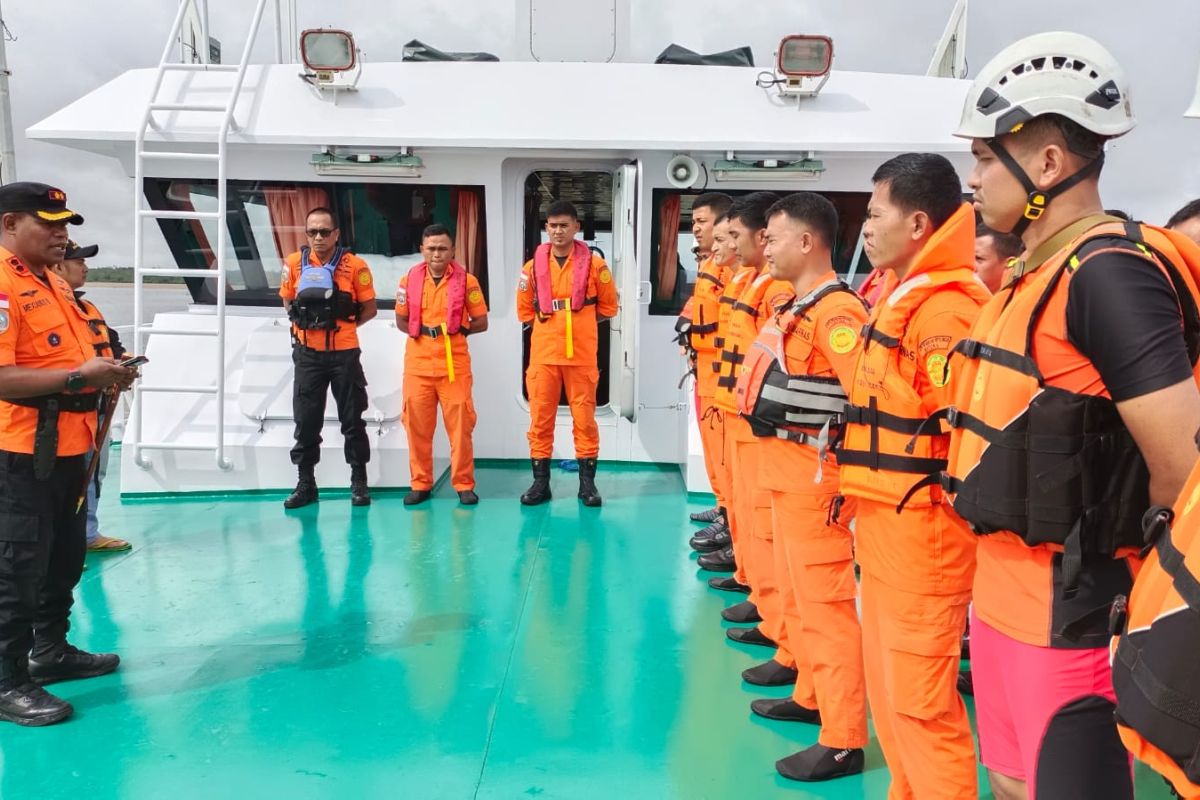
{"x":76,"y":382}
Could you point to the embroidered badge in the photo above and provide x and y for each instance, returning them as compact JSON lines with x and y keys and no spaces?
{"x":605,"y":276}
{"x":842,"y":339}
{"x":476,"y":297}
{"x":523,"y":286}
{"x":401,"y":295}
{"x":3,"y":321}
{"x":364,"y":278}
{"x":938,"y":368}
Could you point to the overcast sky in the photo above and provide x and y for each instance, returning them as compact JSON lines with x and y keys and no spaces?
{"x":64,"y":50}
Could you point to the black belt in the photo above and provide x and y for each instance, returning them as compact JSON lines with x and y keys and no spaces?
{"x":45,"y":439}
{"x":434,"y":333}
{"x":563,"y":303}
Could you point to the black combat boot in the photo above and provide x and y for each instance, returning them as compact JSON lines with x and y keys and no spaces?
{"x":539,"y":491}
{"x":360,"y":495}
{"x":587,"y":482}
{"x":24,"y":702}
{"x":306,"y":489}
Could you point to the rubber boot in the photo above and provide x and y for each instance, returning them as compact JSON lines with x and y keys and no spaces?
{"x":587,"y":482}
{"x":539,"y":491}
{"x":360,"y":495}
{"x":306,"y":489}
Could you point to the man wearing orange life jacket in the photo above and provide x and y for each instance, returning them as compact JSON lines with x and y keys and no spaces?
{"x":793,"y":392}
{"x":50,"y":382}
{"x":716,"y":542}
{"x":994,"y":251}
{"x":872,"y":286}
{"x":1187,"y":221}
{"x":757,"y":303}
{"x":916,"y":556}
{"x":563,"y":293}
{"x":1076,"y":383}
{"x":438,"y":303}
{"x":697,"y":331}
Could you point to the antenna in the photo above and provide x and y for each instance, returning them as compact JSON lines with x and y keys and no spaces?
{"x":950,"y":53}
{"x":8,"y":154}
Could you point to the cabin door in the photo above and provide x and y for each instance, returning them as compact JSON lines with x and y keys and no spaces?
{"x":634,"y":292}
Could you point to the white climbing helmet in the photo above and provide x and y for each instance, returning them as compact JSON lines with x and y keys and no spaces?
{"x":1049,"y":73}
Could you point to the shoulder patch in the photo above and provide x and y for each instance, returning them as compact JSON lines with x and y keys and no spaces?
{"x":938,"y":367}
{"x":842,"y":339}
{"x":605,"y":276}
{"x":401,"y":294}
{"x":523,"y":285}
{"x":475,"y":297}
{"x":364,"y":278}
{"x":3,"y":321}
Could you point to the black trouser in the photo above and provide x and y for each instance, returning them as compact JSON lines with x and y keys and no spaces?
{"x":316,"y":371}
{"x":42,"y":545}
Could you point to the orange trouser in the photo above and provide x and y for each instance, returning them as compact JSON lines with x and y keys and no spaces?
{"x":753,"y":504}
{"x":544,"y":383}
{"x":712,"y":441}
{"x":422,"y":396}
{"x":730,"y":471}
{"x":814,"y":562}
{"x":911,"y":645}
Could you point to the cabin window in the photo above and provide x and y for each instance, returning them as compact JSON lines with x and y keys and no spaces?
{"x":673,"y":268}
{"x":380,"y":222}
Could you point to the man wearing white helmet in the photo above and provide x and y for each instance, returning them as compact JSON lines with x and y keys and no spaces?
{"x":1075,"y":386}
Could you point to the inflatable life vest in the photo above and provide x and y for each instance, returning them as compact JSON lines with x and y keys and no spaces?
{"x":1053,"y":466}
{"x":543,"y":287}
{"x":740,"y":333}
{"x":319,"y":303}
{"x":1153,"y":660}
{"x":893,"y":442}
{"x":801,"y":407}
{"x":456,"y":274}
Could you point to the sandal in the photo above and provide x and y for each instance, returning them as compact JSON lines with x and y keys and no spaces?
{"x":107,"y":544}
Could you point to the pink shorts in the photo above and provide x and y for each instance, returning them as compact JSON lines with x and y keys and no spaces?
{"x":1045,"y":716}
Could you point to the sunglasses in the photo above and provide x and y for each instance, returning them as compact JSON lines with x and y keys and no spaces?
{"x":324,"y":233}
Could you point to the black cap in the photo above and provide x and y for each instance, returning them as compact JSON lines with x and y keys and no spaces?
{"x":47,"y":202}
{"x":75,"y":252}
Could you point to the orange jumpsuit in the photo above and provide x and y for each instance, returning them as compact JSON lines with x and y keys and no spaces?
{"x":427,"y":383}
{"x":756,"y":304}
{"x":705,"y":340}
{"x":551,"y":368}
{"x":813,"y":555}
{"x":917,"y":564}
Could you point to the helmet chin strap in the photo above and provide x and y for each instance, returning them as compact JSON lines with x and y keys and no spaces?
{"x":1038,"y":200}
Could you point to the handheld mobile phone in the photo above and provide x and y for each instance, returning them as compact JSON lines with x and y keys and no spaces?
{"x":136,"y":361}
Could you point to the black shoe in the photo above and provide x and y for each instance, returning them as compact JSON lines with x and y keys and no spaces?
{"x":70,"y":663}
{"x":587,"y":483}
{"x":785,"y":710}
{"x":28,"y":704}
{"x":744,"y":611}
{"x":966,"y":683}
{"x":728,"y":584}
{"x":468,"y":497}
{"x":539,"y":491}
{"x":714,"y":537}
{"x":305,"y":491}
{"x":821,"y":763}
{"x":708,"y":515}
{"x":360,"y":495}
{"x":749,"y":636}
{"x":770,"y":673}
{"x":417,"y":496}
{"x":720,"y":561}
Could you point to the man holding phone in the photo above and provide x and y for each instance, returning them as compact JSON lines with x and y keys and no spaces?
{"x":51,"y":380}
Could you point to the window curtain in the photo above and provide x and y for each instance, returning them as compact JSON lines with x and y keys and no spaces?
{"x":288,"y":207}
{"x":668,"y":245}
{"x":468,"y":242}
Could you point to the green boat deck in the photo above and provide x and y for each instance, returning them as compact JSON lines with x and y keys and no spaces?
{"x":443,"y":652}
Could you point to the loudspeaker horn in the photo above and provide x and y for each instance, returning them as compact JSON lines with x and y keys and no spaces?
{"x":682,"y":171}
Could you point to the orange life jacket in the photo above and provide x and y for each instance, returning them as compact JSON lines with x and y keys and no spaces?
{"x":892,"y":441}
{"x":738,"y":333}
{"x":1054,"y":466}
{"x":99,"y":328}
{"x":700,"y":316}
{"x":1154,"y":664}
{"x":800,"y":407}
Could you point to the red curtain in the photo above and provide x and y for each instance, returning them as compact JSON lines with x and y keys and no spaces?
{"x":467,"y":240}
{"x":668,"y":245}
{"x":288,"y":207}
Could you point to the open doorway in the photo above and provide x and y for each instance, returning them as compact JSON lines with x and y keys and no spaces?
{"x":592,"y":194}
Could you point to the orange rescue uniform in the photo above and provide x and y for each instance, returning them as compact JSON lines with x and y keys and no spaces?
{"x":428,"y":384}
{"x":814,"y":555}
{"x":42,"y":327}
{"x":705,"y":340}
{"x":917,"y":564}
{"x":551,"y":368}
{"x":352,"y":276}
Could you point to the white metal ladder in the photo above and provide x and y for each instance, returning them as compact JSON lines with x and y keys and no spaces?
{"x":141,"y":330}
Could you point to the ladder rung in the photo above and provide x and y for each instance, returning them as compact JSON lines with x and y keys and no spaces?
{"x":180,"y":156}
{"x":166,"y":389}
{"x":173,"y":272}
{"x":155,"y":213}
{"x":174,"y":446}
{"x":201,"y":67}
{"x":148,"y":329}
{"x":187,"y":107}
